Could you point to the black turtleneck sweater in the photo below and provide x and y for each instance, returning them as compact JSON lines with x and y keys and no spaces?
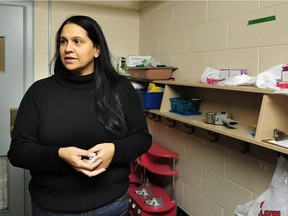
{"x":56,"y":112}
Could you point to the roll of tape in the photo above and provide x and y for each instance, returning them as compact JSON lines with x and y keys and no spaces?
{"x":210,"y":117}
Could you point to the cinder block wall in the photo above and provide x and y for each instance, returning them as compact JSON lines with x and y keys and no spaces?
{"x":193,"y":35}
{"x":120,"y":26}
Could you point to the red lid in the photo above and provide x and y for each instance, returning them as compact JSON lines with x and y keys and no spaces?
{"x":282,"y":85}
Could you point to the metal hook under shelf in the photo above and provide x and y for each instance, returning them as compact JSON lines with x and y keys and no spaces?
{"x":173,"y":122}
{"x":246,"y":147}
{"x":191,"y":127}
{"x":157,"y":118}
{"x":215,"y":136}
{"x":152,"y":115}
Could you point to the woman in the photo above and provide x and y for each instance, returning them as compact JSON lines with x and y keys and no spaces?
{"x":84,"y":109}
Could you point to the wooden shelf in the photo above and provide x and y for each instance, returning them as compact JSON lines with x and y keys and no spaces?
{"x":240,"y":133}
{"x":248,"y":104}
{"x":251,"y":89}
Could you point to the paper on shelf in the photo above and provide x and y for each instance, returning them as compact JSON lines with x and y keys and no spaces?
{"x":283,"y":143}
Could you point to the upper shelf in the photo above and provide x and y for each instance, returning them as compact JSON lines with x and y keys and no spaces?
{"x":199,"y":84}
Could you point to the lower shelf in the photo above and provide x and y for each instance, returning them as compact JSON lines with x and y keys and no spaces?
{"x":241,"y":133}
{"x":138,"y":204}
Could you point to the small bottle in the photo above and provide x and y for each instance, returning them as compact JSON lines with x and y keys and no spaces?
{"x":282,"y":83}
{"x":284,"y":74}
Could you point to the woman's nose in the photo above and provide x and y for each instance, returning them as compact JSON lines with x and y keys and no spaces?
{"x":69,"y":47}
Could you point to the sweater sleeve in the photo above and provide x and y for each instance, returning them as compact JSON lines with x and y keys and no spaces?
{"x":25,"y":150}
{"x":138,"y":139}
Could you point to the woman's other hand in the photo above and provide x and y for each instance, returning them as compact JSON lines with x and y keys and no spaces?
{"x":105,"y":151}
{"x":77,"y":158}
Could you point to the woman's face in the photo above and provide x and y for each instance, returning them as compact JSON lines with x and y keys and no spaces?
{"x":77,"y":51}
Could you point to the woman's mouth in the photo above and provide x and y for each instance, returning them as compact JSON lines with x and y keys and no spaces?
{"x":69,"y":59}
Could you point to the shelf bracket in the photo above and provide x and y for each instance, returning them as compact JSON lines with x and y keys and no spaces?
{"x":192,"y":129}
{"x":246,"y":147}
{"x":173,"y":122}
{"x":215,"y":136}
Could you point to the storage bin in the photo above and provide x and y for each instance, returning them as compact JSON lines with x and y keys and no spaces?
{"x":151,"y":100}
{"x":153,"y":73}
{"x":185,"y":106}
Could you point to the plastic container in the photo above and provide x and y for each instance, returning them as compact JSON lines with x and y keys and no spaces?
{"x":185,"y":106}
{"x":151,"y":100}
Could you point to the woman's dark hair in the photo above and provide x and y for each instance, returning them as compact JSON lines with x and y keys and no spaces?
{"x":105,"y":100}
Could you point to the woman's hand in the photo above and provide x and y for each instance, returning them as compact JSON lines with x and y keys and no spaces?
{"x":78,"y":159}
{"x":105,"y":151}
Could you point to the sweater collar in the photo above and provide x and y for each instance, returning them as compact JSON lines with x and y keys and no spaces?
{"x":70,"y":80}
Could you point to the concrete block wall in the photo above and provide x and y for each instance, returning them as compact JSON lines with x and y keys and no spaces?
{"x":193,"y":35}
{"x":214,"y":177}
{"x":120,"y":26}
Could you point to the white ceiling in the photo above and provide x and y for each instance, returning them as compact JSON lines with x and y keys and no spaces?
{"x":128,"y":4}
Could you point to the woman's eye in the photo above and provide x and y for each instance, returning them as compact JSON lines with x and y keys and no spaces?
{"x":62,"y":42}
{"x":77,"y":41}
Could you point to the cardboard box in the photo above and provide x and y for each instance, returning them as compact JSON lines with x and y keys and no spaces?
{"x":226,"y":73}
{"x":153,"y":73}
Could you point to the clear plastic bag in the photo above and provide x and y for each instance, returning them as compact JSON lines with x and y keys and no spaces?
{"x":274,"y":201}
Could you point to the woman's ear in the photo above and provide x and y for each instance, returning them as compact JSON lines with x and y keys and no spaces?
{"x":97,"y":53}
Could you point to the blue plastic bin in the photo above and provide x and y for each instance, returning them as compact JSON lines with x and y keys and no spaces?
{"x":151,"y":100}
{"x":185,"y":106}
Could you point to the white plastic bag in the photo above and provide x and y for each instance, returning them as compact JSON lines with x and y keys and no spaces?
{"x":212,"y":76}
{"x":243,"y":79}
{"x":268,"y":78}
{"x":274,"y":201}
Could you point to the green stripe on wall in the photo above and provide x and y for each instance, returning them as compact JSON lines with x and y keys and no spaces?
{"x":261,"y":20}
